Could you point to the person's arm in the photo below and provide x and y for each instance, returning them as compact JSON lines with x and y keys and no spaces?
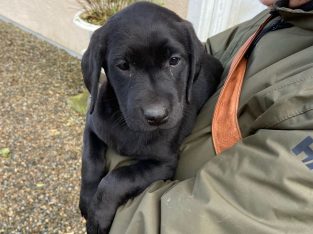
{"x":262,"y":185}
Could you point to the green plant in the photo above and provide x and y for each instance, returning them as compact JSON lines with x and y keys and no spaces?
{"x":98,"y":11}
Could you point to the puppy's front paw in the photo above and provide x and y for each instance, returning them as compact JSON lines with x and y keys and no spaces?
{"x":85,"y":198}
{"x":83,"y":209}
{"x":100,"y":217}
{"x":83,"y":205}
{"x":95,"y":226}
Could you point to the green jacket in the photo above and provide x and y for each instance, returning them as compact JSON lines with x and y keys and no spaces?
{"x":264,"y":183}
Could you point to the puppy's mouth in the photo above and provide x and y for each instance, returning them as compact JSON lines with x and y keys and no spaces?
{"x":147,"y":129}
{"x":151,"y":125}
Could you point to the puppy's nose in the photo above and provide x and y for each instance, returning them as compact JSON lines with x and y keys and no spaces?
{"x":156,"y":114}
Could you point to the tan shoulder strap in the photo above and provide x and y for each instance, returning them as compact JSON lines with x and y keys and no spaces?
{"x":225,"y":128}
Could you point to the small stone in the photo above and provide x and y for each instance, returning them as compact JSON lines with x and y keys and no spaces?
{"x":54,"y":132}
{"x":40,"y":185}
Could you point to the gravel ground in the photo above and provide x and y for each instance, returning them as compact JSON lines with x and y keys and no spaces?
{"x":39,"y":179}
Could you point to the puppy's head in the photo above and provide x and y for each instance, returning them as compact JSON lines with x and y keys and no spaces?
{"x":151,"y":58}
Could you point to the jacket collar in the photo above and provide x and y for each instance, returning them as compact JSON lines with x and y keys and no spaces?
{"x":297,"y":17}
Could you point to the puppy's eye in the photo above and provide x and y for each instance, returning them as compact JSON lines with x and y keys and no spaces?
{"x":123,"y":66}
{"x":174,"y":61}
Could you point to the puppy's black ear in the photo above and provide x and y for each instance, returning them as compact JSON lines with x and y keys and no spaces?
{"x":196,"y":52}
{"x":92,"y":61}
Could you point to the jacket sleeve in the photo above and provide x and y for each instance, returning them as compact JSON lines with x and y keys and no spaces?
{"x":261,"y":185}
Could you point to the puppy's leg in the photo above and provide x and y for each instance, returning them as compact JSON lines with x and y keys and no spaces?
{"x":122,"y":184}
{"x":93,"y":168}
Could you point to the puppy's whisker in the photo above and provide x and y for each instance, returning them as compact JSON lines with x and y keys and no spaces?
{"x":115,"y":114}
{"x":118,"y":119}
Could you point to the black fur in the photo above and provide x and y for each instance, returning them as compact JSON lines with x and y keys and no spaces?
{"x":136,"y":48}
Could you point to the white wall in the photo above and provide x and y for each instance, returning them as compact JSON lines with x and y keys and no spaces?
{"x":51,"y":19}
{"x":210,"y":17}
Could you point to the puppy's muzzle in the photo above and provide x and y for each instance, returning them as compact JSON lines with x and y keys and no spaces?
{"x":155,"y":114}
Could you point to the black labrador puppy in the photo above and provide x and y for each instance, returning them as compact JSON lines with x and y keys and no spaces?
{"x":158,"y":77}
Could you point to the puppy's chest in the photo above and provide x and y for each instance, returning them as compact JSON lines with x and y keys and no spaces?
{"x":137,"y":145}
